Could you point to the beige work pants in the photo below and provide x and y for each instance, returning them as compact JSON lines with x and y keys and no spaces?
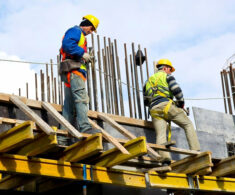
{"x":178,"y":116}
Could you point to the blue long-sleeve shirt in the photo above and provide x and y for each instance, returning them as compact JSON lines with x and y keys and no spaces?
{"x":70,"y":42}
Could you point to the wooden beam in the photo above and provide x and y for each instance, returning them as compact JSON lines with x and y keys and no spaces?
{"x":16,"y":136}
{"x":194,"y":164}
{"x":5,"y":98}
{"x":109,"y":138}
{"x":83,"y":149}
{"x":126,"y":133}
{"x":153,"y":146}
{"x":60,"y":119}
{"x":225,"y":167}
{"x":32,"y":115}
{"x":135,"y":147}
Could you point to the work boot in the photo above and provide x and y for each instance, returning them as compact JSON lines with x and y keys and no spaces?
{"x":92,"y":131}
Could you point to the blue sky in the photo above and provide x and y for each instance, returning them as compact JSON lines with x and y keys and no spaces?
{"x":197,"y":36}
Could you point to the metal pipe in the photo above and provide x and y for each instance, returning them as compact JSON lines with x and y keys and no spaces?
{"x":128,"y":81}
{"x":36,"y":86}
{"x":94,"y":80}
{"x":27,"y":90}
{"x":119,"y":79}
{"x":106,"y":82}
{"x":142,"y":82}
{"x":100,"y":74}
{"x":52,"y":84}
{"x":222,"y":82}
{"x":136,"y":82}
{"x":232,"y":83}
{"x":227,"y":91}
{"x":146,"y":60}
{"x":48,"y":84}
{"x":133,"y":86}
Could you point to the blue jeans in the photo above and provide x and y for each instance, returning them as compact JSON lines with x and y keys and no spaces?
{"x":76,"y":98}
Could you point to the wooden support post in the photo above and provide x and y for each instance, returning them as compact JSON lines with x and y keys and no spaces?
{"x":135,"y":147}
{"x":200,"y":163}
{"x":109,"y":137}
{"x":83,"y":149}
{"x":16,"y":136}
{"x":126,"y":133}
{"x":32,"y":115}
{"x":59,"y":118}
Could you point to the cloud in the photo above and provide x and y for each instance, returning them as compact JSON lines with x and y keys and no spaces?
{"x":15,"y":75}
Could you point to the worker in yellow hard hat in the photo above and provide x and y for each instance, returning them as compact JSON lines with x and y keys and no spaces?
{"x":159,"y":91}
{"x":73,"y":71}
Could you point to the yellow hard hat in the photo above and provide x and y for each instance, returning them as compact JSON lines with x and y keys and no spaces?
{"x":165,"y":62}
{"x":95,"y":21}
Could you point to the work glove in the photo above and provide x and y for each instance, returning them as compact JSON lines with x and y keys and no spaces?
{"x":180,"y":104}
{"x":87,"y":57}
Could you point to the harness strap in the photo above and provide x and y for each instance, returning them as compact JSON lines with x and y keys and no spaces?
{"x":75,"y":72}
{"x":163,"y":115}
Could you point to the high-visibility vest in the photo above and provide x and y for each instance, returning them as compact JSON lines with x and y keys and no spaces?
{"x":82,"y":43}
{"x":157,"y":86}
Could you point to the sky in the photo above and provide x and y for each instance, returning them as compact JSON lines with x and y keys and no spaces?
{"x":196,"y":36}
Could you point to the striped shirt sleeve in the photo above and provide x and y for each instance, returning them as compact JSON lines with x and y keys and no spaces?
{"x":175,"y":88}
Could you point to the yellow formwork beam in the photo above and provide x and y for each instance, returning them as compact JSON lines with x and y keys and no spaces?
{"x":41,"y":143}
{"x":83,"y":149}
{"x":66,"y":170}
{"x":184,"y":182}
{"x":74,"y":171}
{"x":135,"y":147}
{"x":16,"y":136}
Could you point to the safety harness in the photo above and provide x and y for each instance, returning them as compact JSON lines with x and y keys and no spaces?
{"x":160,"y":90}
{"x":83,"y":44}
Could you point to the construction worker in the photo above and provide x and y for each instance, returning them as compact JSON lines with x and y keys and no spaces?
{"x":73,"y":71}
{"x":159,"y":91}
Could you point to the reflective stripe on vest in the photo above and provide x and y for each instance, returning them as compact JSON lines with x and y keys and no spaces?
{"x":74,"y":72}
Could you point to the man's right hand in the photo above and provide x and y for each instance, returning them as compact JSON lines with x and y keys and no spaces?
{"x":87,"y":57}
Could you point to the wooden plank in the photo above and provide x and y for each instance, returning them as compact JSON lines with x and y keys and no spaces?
{"x":225,"y":167}
{"x":93,"y":114}
{"x":193,"y":164}
{"x":40,"y":144}
{"x":83,"y":149}
{"x":32,"y":115}
{"x":59,"y":118}
{"x":126,"y":133}
{"x":135,"y":147}
{"x":16,"y":136}
{"x":109,"y":138}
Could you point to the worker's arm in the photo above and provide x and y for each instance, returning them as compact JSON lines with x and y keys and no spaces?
{"x":70,"y":42}
{"x":176,"y":90}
